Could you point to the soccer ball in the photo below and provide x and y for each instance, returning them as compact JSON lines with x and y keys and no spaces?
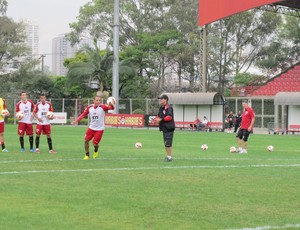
{"x":50,"y":115}
{"x":19,"y":115}
{"x":5,"y":112}
{"x":138,"y":145}
{"x":204,"y":147}
{"x":270,"y":148}
{"x":111,"y":101}
{"x":232,"y":149}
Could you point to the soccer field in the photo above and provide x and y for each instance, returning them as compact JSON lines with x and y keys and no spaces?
{"x":128,"y":188}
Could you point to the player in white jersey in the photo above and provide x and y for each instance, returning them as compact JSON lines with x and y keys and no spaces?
{"x":95,"y":131}
{"x":43,"y":123}
{"x":25,"y":123}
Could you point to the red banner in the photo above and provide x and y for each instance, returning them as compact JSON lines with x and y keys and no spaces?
{"x":210,"y":11}
{"x":126,"y":120}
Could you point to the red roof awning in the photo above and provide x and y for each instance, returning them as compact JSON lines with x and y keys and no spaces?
{"x":210,"y":10}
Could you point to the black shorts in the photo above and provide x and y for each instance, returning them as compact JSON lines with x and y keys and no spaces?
{"x":230,"y":124}
{"x":243,"y":134}
{"x":168,"y":138}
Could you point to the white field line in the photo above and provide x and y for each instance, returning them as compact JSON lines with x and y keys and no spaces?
{"x":140,"y":158}
{"x":148,"y":168}
{"x":287,"y":226}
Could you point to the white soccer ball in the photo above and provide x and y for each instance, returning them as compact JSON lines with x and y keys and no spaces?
{"x":138,"y":145}
{"x":111,"y":101}
{"x":270,"y":148}
{"x":204,"y":147}
{"x":232,"y":149}
{"x":19,"y":115}
{"x":50,"y":115}
{"x":5,"y":112}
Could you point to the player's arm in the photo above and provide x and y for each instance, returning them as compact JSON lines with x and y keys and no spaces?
{"x":252,"y":121}
{"x":4,"y":107}
{"x":84,"y":114}
{"x":107,"y":107}
{"x":35,"y":115}
{"x":32,"y":108}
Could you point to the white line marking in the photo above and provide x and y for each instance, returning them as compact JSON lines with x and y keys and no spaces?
{"x":139,"y":158}
{"x":270,"y":227}
{"x":146,"y":168}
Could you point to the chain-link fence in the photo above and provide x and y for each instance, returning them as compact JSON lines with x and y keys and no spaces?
{"x":263,"y":107}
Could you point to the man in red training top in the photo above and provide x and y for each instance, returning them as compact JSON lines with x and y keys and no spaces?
{"x":165,"y":119}
{"x":96,"y":112}
{"x":248,"y":118}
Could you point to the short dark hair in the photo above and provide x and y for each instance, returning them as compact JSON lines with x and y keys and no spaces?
{"x":163,"y":96}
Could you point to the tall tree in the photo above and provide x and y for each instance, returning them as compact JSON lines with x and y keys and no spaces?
{"x":12,"y":43}
{"x":235,"y":42}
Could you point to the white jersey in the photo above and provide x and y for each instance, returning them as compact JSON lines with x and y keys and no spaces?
{"x":41,"y":112}
{"x":26,"y":107}
{"x":96,"y":117}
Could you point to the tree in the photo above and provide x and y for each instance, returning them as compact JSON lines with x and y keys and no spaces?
{"x":12,"y":43}
{"x":91,"y":65}
{"x":3,"y":7}
{"x":235,"y":42}
{"x":284,"y":50}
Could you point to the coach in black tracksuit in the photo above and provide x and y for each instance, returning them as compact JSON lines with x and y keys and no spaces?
{"x":166,"y":123}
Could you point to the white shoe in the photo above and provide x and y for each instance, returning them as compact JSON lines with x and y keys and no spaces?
{"x":239,"y":150}
{"x":243,"y":151}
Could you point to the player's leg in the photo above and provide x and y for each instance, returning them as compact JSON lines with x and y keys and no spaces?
{"x":88,"y":136}
{"x":47,"y":132}
{"x":21,"y":132}
{"x":4,"y":150}
{"x":239,"y":137}
{"x":29,"y":132}
{"x":245,"y":140}
{"x":38,"y":131}
{"x":168,"y":140}
{"x":97,"y":138}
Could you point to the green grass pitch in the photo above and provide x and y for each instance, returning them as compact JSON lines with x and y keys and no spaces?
{"x":128,"y":188}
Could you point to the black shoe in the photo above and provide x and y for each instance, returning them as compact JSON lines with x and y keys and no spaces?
{"x":168,"y":159}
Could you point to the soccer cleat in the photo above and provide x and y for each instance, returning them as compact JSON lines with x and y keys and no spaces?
{"x":86,"y":158}
{"x":95,"y":155}
{"x":52,"y":151}
{"x":32,"y":150}
{"x":243,"y":151}
{"x":4,"y":150}
{"x":22,"y":150}
{"x":168,"y":159}
{"x":37,"y":151}
{"x":239,"y":150}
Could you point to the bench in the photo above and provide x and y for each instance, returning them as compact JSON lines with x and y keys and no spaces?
{"x":293,"y":128}
{"x":183,"y":124}
{"x":217,"y":126}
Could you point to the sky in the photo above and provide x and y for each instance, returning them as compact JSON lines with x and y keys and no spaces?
{"x":52,"y":16}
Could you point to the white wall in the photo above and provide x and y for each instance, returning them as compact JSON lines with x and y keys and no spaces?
{"x":294,"y":115}
{"x":191,"y":112}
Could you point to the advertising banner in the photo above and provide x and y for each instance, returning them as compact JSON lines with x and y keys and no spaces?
{"x":126,"y":120}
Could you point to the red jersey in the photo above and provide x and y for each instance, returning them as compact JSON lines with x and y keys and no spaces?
{"x":247,"y":117}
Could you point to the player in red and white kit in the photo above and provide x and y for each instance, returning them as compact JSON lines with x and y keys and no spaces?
{"x":43,"y":123}
{"x":95,"y":131}
{"x":25,"y":123}
{"x":2,"y":107}
{"x":248,"y":118}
